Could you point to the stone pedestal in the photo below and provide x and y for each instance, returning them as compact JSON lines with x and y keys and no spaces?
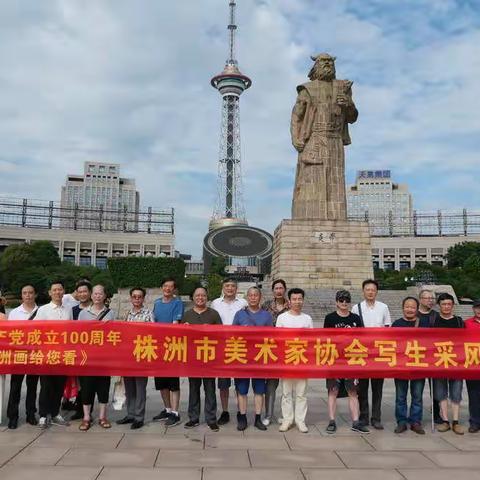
{"x":314,"y":254}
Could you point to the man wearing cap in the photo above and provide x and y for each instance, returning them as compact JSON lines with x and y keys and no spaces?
{"x":473,"y":386}
{"x":342,"y":317}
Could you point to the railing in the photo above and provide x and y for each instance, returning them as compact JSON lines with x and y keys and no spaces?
{"x":420,"y":224}
{"x":17,"y":212}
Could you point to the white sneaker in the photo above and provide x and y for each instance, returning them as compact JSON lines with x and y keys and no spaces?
{"x":302,"y":427}
{"x":284,"y":427}
{"x":59,"y":420}
{"x":42,"y":423}
{"x":266,"y":421}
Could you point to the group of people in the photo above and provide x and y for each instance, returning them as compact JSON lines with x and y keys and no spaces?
{"x":283,"y":310}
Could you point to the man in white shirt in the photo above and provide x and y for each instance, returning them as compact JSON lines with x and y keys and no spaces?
{"x":227,"y":306}
{"x":52,"y":386}
{"x":26,"y":311}
{"x":294,"y":387}
{"x":373,"y":314}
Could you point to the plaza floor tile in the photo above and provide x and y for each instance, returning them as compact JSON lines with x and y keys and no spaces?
{"x":387,"y":460}
{"x":110,"y":457}
{"x":28,"y":472}
{"x":202,"y":458}
{"x":349,"y":474}
{"x":112,"y":473}
{"x":39,"y":456}
{"x":278,"y":459}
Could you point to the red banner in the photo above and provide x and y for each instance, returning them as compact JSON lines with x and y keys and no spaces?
{"x":146,"y":349}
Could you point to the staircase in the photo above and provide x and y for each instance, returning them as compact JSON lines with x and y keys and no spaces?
{"x":318,"y":302}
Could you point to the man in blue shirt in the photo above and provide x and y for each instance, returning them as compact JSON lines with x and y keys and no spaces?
{"x":251,"y":316}
{"x":168,"y":309}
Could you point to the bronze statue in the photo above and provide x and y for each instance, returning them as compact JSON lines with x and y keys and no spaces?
{"x":319,"y":129}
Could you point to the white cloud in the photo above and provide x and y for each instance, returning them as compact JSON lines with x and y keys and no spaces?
{"x":129,"y":82}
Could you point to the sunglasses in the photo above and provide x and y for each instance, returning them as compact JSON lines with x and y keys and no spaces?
{"x":343,"y":300}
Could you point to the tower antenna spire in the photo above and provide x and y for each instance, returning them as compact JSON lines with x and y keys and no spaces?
{"x":231,"y":83}
{"x":232,"y":27}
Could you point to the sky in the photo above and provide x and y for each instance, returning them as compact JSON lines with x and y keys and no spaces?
{"x":129,"y":82}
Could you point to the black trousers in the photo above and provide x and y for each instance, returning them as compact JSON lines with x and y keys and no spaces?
{"x":210,"y":399}
{"x":16,"y":391}
{"x":377,"y":389}
{"x":51,"y":392}
{"x":91,"y":386}
{"x":473,"y":388}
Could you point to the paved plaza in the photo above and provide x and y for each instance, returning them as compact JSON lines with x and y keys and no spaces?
{"x":157,"y":452}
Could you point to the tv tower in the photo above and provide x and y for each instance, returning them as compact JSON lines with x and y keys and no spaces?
{"x":247,"y":249}
{"x":231,"y":83}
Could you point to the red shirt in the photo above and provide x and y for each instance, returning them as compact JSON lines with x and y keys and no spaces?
{"x":472,"y":323}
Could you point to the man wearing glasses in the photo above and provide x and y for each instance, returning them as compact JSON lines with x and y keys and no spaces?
{"x":343,"y":318}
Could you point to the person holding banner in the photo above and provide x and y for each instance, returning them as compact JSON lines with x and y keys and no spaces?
{"x":26,"y":311}
{"x":294,"y":387}
{"x":98,"y":385}
{"x":251,"y":316}
{"x":473,"y":386}
{"x":373,"y":314}
{"x":342,"y":317}
{"x":426,"y":298}
{"x":227,"y":306}
{"x":168,"y":309}
{"x":276,"y":306}
{"x":51,"y":386}
{"x":200,"y":314}
{"x":83,"y":292}
{"x":136,"y":387}
{"x":410,"y":318}
{"x":448,"y":388}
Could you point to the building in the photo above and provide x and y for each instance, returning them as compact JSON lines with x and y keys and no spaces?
{"x":386,"y":205}
{"x":433,"y":233}
{"x":104,"y":198}
{"x":25,"y":221}
{"x":400,"y":253}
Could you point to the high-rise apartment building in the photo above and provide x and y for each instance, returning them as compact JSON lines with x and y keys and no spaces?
{"x":100,"y":197}
{"x":387,"y":205}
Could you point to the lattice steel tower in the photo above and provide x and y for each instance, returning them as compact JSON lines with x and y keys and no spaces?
{"x":231,"y":83}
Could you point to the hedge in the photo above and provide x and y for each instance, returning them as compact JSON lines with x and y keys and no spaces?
{"x":146,"y":272}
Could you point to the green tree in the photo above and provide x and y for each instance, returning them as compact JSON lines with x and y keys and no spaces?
{"x":38,"y":263}
{"x":190,"y":283}
{"x":459,"y":254}
{"x":214,"y":285}
{"x":218,"y":266}
{"x":43,"y":253}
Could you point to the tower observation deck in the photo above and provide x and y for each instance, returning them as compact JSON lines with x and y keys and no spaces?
{"x":231,"y":83}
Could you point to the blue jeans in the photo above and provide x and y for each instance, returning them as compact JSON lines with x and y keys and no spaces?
{"x":416,"y":407}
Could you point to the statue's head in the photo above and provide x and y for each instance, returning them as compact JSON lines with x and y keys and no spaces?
{"x":323,"y":68}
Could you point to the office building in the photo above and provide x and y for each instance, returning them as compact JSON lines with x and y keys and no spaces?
{"x":100,"y":197}
{"x":387,"y":205}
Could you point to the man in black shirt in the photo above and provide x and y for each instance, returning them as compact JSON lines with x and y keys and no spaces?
{"x":426,"y":312}
{"x":444,"y":388}
{"x":83,"y":292}
{"x":343,"y":318}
